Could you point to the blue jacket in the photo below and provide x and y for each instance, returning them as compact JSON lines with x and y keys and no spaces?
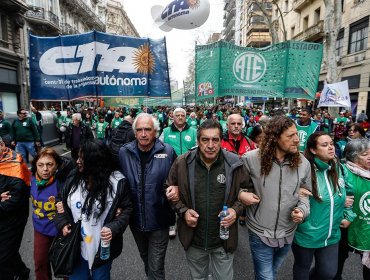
{"x":151,"y":208}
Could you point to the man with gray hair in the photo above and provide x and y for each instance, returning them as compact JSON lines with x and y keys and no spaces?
{"x":180,"y":135}
{"x":77,"y":133}
{"x":146,"y":162}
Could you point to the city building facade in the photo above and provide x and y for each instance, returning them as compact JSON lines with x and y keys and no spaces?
{"x":254,"y":23}
{"x":304,"y":21}
{"x":19,"y":18}
{"x":228,"y":33}
{"x":12,"y":50}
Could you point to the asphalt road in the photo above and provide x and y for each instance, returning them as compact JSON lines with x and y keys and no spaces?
{"x":129,"y":266}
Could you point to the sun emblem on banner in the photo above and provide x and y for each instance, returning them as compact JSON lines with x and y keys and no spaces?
{"x":193,"y":4}
{"x":144,"y":60}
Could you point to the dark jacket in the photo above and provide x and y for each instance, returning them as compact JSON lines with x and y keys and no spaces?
{"x":85,"y":134}
{"x":151,"y":208}
{"x":13,"y":215}
{"x":120,"y":135}
{"x":117,"y":224}
{"x":182,"y":175}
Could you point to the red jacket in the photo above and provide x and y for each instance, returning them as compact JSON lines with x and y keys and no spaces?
{"x":240,"y":146}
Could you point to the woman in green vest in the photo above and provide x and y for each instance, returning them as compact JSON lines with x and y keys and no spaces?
{"x":357,"y":217}
{"x":319,"y":235}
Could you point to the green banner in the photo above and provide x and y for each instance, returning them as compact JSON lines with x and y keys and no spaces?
{"x":288,"y":70}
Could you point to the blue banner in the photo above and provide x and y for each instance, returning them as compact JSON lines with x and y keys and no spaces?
{"x":97,"y":64}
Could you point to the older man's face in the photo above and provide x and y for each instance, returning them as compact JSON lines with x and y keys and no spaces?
{"x":179,"y":118}
{"x":145,"y":133}
{"x":235,"y":124}
{"x":209,"y":144}
{"x":76,"y":121}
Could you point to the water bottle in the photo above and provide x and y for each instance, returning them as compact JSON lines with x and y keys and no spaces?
{"x":104,"y":249}
{"x":224,"y":231}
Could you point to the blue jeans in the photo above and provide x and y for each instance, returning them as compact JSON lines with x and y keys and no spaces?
{"x":82,"y":271}
{"x":152,"y":246}
{"x":326,"y":262}
{"x":267,"y":260}
{"x":25,"y":148}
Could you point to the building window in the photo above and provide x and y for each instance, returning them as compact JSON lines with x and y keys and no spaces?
{"x":317,"y":15}
{"x":256,"y":19}
{"x":339,"y":43}
{"x":292,"y":31}
{"x":305,"y":23}
{"x":4,"y":31}
{"x":353,"y":81}
{"x":358,"y":34}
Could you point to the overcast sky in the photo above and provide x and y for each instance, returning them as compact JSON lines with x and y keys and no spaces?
{"x":180,"y":43}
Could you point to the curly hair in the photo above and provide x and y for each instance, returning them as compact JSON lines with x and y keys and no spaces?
{"x":275,"y":127}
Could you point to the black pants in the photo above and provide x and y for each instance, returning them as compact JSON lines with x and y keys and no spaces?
{"x":152,"y":246}
{"x":344,"y":249}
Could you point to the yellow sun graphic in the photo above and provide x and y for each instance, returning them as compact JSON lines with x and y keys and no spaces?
{"x":144,"y":60}
{"x":193,"y":4}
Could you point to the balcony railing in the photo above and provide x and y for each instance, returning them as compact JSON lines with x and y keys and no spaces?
{"x":312,"y":33}
{"x":67,"y":28}
{"x":39,"y":13}
{"x":298,"y":5}
{"x":258,"y":39}
{"x":86,"y":13}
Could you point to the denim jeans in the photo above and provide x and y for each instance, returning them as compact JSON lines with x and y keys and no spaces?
{"x":152,"y":247}
{"x":267,"y":260}
{"x":220,"y":263}
{"x":82,"y":271}
{"x":326,"y":262}
{"x":25,"y":148}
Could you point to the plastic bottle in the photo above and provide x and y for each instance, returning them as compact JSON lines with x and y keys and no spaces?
{"x":104,"y":249}
{"x":224,"y":231}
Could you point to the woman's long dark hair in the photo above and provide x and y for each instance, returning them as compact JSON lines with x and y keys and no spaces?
{"x":97,"y":168}
{"x":333,"y":172}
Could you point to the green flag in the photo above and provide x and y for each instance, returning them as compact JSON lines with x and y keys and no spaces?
{"x":287,"y":70}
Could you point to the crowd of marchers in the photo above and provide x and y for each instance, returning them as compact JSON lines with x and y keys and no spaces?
{"x":299,"y":181}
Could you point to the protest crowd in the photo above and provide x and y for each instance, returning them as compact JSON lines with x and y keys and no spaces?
{"x":298,"y":180}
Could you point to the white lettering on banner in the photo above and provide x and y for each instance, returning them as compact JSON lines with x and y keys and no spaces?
{"x":103,"y":81}
{"x":249,"y":67}
{"x":119,"y":58}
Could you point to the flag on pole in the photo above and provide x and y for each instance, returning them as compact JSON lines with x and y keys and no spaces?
{"x":335,"y":95}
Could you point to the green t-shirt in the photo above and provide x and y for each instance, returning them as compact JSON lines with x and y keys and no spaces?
{"x":116,"y":122}
{"x":100,"y":129}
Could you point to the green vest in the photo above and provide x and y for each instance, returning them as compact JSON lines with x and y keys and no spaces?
{"x":359,"y":230}
{"x":67,"y":120}
{"x":116,"y":122}
{"x":60,"y":121}
{"x":304,"y":131}
{"x":180,"y":141}
{"x":192,"y":123}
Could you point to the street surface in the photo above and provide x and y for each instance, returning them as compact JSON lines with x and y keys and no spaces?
{"x":128,"y":266}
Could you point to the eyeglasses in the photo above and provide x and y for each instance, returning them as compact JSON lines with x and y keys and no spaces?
{"x":352,"y":130}
{"x":23,"y":113}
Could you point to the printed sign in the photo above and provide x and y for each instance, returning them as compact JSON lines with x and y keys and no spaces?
{"x":97,"y":64}
{"x":286,"y":70}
